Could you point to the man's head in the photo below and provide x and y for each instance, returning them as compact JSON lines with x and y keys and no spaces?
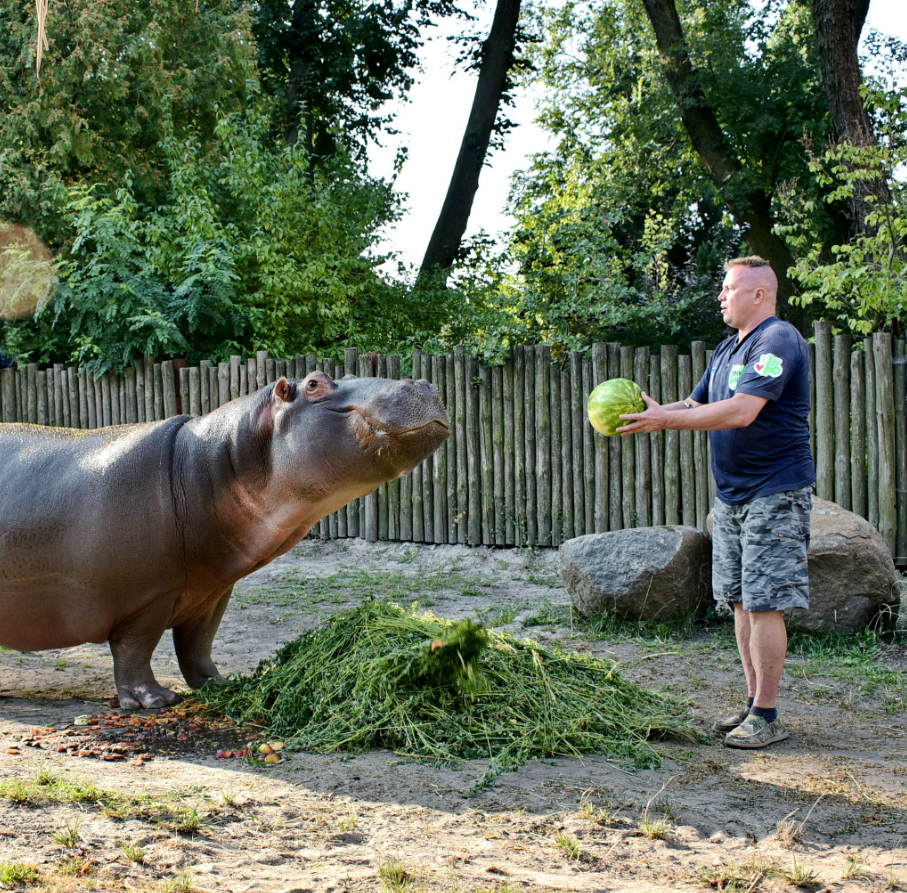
{"x":749,"y":293}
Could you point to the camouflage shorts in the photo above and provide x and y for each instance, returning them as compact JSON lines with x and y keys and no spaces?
{"x":759,"y":552}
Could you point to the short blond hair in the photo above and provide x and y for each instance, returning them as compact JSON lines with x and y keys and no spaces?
{"x":753,"y":261}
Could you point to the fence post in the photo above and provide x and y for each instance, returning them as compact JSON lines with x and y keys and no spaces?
{"x":486,"y":455}
{"x":497,"y":455}
{"x":900,"y":443}
{"x":687,"y":480}
{"x":872,"y":433}
{"x":881,"y":344}
{"x":600,"y":445}
{"x":628,"y":452}
{"x":473,"y":453}
{"x":591,"y":454}
{"x":615,"y":454}
{"x":519,"y":446}
{"x":556,"y":461}
{"x":643,"y":446}
{"x":508,"y":448}
{"x":672,"y":438}
{"x":841,"y":387}
{"x":532,"y":537}
{"x":825,"y":414}
{"x":857,"y":434}
{"x":461,"y":387}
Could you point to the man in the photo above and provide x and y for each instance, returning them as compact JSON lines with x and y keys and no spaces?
{"x":754,"y":399}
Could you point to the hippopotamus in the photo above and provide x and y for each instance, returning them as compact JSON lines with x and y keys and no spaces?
{"x":117,"y":534}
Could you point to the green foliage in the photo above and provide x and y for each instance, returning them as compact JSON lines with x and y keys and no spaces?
{"x":621,"y":232}
{"x":345,"y":58}
{"x":350,"y":686}
{"x":117,"y":79}
{"x":860,"y":283}
{"x":250,"y":247}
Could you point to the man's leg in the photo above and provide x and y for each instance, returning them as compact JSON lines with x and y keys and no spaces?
{"x":766,"y":635}
{"x":775,"y":579}
{"x":726,"y":586}
{"x":743,"y":632}
{"x":767,"y":648}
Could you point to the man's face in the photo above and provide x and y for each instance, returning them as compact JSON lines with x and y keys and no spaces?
{"x":738,"y":297}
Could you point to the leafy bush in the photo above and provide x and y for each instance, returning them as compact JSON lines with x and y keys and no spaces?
{"x":252,"y":246}
{"x":860,"y":283}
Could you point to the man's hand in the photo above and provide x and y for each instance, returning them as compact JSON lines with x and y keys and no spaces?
{"x":736,"y":412}
{"x":653,"y":419}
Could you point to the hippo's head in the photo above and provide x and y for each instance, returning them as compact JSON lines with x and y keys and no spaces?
{"x":346,"y":437}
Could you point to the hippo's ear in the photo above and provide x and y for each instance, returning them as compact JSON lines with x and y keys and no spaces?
{"x":271,"y":404}
{"x":283,"y":392}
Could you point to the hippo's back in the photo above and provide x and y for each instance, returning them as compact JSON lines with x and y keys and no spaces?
{"x":86,"y":518}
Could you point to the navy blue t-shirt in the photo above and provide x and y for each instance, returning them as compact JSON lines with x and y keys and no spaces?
{"x":772,"y":454}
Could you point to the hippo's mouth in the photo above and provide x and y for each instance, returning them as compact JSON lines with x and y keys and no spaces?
{"x":376,"y":426}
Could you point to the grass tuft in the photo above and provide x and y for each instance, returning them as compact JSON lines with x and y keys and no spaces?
{"x":570,"y":847}
{"x":184,"y":882}
{"x":395,"y":876}
{"x":134,"y":852}
{"x":67,"y":835}
{"x":13,"y":873}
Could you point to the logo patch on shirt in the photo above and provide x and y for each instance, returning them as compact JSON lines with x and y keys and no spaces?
{"x":734,"y":376}
{"x":769,"y":365}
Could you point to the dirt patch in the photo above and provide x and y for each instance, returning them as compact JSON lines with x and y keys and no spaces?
{"x":825,"y":810}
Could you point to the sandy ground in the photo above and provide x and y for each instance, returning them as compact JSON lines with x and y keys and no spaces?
{"x":822,"y":811}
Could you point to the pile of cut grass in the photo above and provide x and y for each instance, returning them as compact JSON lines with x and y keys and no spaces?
{"x":383,"y":677}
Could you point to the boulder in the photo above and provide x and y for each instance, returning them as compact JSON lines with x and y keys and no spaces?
{"x":852,"y":578}
{"x":643,"y":573}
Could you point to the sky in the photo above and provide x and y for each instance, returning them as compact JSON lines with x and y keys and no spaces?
{"x":431,"y":127}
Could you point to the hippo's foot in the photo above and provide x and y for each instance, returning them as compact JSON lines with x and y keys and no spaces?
{"x":132,"y":697}
{"x":212,"y":681}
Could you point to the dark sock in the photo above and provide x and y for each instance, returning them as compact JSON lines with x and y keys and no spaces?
{"x":749,"y":704}
{"x":769,"y":714}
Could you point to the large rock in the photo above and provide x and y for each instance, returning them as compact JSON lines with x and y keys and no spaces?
{"x":644,"y":573}
{"x":852,"y":578}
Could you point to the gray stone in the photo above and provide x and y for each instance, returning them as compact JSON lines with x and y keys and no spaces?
{"x":644,"y":573}
{"x":852,"y":579}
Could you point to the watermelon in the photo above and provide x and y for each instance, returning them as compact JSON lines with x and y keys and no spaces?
{"x":609,"y":400}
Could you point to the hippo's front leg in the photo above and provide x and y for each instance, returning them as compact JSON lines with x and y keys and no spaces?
{"x":193,"y":641}
{"x":132,"y":644}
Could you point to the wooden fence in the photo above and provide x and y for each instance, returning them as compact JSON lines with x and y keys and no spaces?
{"x":522,"y":465}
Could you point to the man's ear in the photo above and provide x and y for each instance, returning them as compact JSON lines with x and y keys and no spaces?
{"x":271,"y":403}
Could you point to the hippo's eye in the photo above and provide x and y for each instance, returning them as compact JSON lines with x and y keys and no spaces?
{"x":312,"y":385}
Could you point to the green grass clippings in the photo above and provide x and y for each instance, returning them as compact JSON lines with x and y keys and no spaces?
{"x":370,"y":679}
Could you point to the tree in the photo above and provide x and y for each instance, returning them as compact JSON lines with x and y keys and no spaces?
{"x":626,"y":199}
{"x":746,"y":199}
{"x":860,"y":283}
{"x":838,"y":27}
{"x":497,"y":59}
{"x":334,"y":64}
{"x":118,"y":77}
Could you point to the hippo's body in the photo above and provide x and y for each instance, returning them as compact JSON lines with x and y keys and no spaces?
{"x":117,"y":534}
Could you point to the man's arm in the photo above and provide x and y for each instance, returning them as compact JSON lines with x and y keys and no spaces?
{"x":737,"y":412}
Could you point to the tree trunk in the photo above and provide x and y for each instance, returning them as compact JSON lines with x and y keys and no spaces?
{"x":749,"y":204}
{"x":497,"y":59}
{"x":838,"y":26}
{"x":299,"y":85}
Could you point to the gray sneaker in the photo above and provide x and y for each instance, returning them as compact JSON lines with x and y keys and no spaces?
{"x":755,"y":732}
{"x":729,"y":723}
